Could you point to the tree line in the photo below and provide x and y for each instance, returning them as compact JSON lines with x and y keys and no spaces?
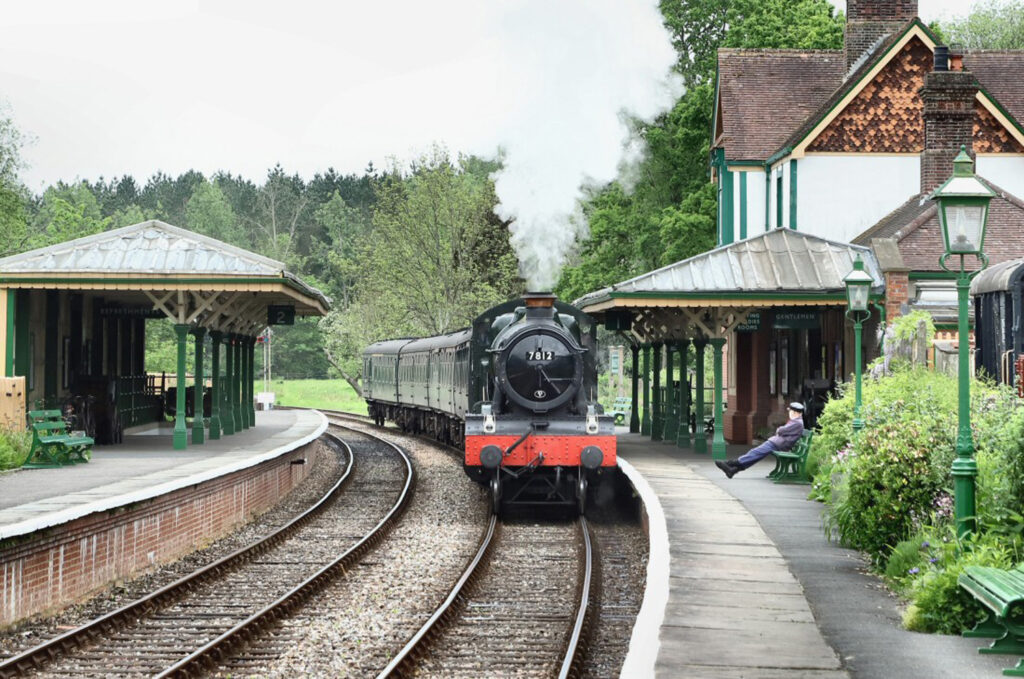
{"x":417,"y":249}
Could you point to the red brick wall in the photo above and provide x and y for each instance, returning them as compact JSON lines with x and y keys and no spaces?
{"x":948,"y":123}
{"x":898,"y":10}
{"x":897,"y":293}
{"x":868,"y":20}
{"x":47,"y":570}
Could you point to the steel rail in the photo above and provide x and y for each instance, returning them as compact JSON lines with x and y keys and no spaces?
{"x":37,"y":656}
{"x":404,"y":661}
{"x":577,"y":641}
{"x":217,"y":649}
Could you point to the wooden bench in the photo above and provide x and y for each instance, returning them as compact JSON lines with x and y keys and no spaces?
{"x":1001,"y":592}
{"x":791,"y":465}
{"x":621,"y":409}
{"x":52,"y":444}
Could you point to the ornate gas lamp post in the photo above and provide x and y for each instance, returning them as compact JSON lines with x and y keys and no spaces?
{"x":963,"y":213}
{"x":858,"y":288}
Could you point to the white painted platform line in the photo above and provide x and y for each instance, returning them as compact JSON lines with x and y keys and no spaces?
{"x":646,"y":641}
{"x":210,"y":470}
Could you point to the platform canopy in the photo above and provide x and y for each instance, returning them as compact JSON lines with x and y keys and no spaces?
{"x":714,"y":291}
{"x":188,"y":277}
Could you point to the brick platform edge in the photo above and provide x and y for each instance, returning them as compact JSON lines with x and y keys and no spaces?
{"x":50,"y":568}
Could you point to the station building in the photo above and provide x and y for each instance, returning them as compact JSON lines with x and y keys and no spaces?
{"x":820,"y":156}
{"x":74,"y":325}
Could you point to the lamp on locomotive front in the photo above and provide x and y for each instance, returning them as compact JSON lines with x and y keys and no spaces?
{"x":963,"y":214}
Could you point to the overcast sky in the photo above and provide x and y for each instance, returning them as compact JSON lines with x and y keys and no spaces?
{"x":116,"y":87}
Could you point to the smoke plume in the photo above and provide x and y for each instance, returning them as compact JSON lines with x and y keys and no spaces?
{"x":584,"y":70}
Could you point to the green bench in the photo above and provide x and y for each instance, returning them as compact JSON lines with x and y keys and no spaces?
{"x":621,"y":409}
{"x":52,"y":444}
{"x":791,"y":465}
{"x":1001,"y":592}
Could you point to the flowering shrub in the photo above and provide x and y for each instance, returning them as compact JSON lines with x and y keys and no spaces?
{"x":14,"y":447}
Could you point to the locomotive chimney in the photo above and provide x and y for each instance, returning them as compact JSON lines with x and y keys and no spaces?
{"x":539,"y":304}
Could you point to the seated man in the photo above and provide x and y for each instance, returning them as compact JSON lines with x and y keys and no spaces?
{"x":785,"y":438}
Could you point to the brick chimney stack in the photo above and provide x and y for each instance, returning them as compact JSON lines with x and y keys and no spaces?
{"x":948,"y":97}
{"x":869,"y":20}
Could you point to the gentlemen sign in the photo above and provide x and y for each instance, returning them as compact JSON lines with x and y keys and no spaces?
{"x":797,"y":320}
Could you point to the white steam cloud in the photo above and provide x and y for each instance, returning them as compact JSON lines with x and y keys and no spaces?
{"x":584,"y":69}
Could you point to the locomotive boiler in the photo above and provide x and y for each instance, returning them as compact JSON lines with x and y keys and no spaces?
{"x":517,"y":392}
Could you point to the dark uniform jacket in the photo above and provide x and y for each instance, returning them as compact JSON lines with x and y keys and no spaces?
{"x":788,"y":434}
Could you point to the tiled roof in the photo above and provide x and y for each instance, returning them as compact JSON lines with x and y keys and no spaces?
{"x":999,"y":73}
{"x":766,"y":94}
{"x":780,"y":260}
{"x":151,"y":247}
{"x":842,"y":88}
{"x":915,"y":225}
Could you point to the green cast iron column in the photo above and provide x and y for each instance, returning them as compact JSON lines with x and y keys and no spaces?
{"x":252,"y":376}
{"x":671,"y":402}
{"x":180,"y":430}
{"x":243,"y":377}
{"x":215,"y":339}
{"x":858,"y":327}
{"x":965,"y":469}
{"x":227,"y":420}
{"x":700,"y":441}
{"x":634,"y":413}
{"x":683,"y":438}
{"x":658,"y":421}
{"x":718,"y":439}
{"x":645,"y":422}
{"x":236,"y":383}
{"x":198,"y":430}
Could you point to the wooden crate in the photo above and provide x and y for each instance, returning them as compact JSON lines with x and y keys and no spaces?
{"x":12,"y":403}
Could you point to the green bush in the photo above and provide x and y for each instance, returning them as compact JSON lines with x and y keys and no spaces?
{"x":14,"y":446}
{"x":896,"y":473}
{"x":906,"y":560}
{"x":888,"y":486}
{"x":939,"y":605}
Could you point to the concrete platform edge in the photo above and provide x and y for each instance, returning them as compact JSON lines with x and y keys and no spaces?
{"x":645,"y":641}
{"x":77,"y":512}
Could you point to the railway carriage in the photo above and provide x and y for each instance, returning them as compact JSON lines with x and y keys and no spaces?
{"x":517,"y":392}
{"x":999,"y":322}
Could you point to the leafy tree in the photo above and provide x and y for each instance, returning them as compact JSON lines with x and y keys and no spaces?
{"x":427,"y":244}
{"x":67,"y":212}
{"x":13,"y":197}
{"x":209,"y":213}
{"x":281,"y":205}
{"x":128,"y":216}
{"x":337,"y":254}
{"x":700,"y":27}
{"x":994,"y":24}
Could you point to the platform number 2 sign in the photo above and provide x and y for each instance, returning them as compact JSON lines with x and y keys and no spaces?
{"x":280,"y":314}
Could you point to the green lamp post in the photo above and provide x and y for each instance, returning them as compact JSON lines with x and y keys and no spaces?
{"x":963,"y":214}
{"x":858,"y":289}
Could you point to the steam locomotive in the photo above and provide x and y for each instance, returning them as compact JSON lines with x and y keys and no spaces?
{"x":517,"y":392}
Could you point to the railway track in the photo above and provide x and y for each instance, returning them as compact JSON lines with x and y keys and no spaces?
{"x":510,"y":613}
{"x":189,"y":625}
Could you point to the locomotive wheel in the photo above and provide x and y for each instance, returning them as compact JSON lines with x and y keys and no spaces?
{"x":581,"y":495}
{"x":496,"y":493}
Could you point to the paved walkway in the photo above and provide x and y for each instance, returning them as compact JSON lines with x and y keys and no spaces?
{"x":755,"y":589}
{"x":144,"y":466}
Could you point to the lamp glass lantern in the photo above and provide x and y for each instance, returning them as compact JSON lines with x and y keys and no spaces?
{"x":858,"y":286}
{"x":963,"y":208}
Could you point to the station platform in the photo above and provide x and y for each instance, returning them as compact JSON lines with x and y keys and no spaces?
{"x":142,"y":467}
{"x":743,"y":583}
{"x":66,"y":532}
